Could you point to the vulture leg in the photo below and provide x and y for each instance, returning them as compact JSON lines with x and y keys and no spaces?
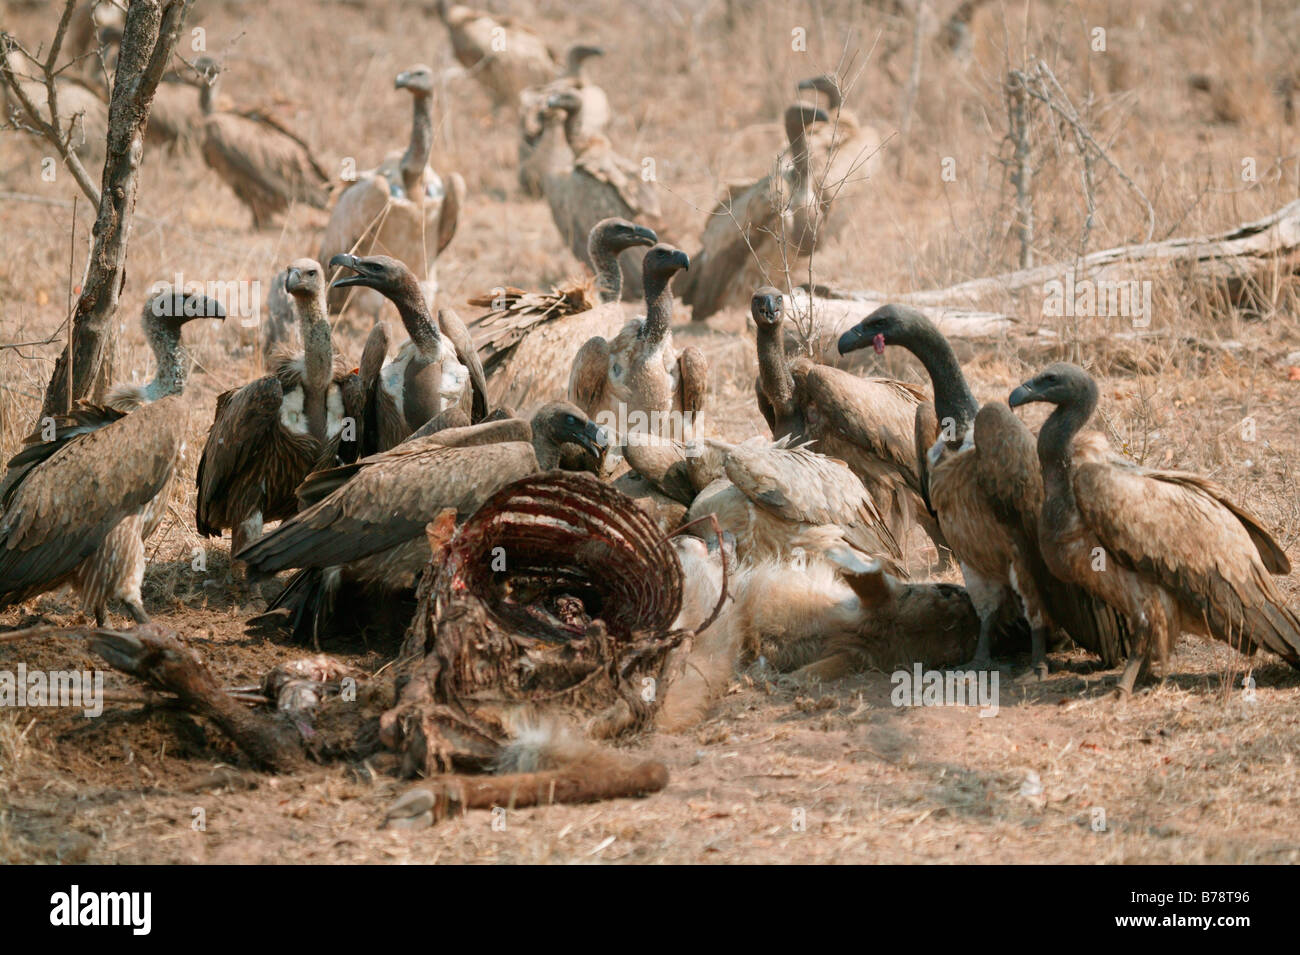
{"x":1134,"y":669}
{"x":136,"y":610}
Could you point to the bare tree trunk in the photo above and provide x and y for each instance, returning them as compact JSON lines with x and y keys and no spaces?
{"x":148,"y":39}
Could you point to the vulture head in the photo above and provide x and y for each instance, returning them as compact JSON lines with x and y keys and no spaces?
{"x":305,"y":279}
{"x":768,"y":307}
{"x":799,"y":117}
{"x":567,"y":101}
{"x":560,"y":423}
{"x":661,"y":263}
{"x":579,"y":54}
{"x":889,"y":323}
{"x":382,"y":273}
{"x":418,"y":79}
{"x":828,"y":86}
{"x":208,"y":70}
{"x":618,"y":234}
{"x":171,"y":309}
{"x":1060,"y":383}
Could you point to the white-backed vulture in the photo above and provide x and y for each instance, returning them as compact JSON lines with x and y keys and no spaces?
{"x":1168,"y":548}
{"x":772,"y":492}
{"x":590,"y":121}
{"x":596,"y":184}
{"x":843,"y":151}
{"x":365,"y":522}
{"x":401,"y":208}
{"x":271,"y":433}
{"x":502,"y":54}
{"x":264,"y":164}
{"x":760,"y":233}
{"x":637,"y":383}
{"x":528,"y":341}
{"x":981,"y":478}
{"x":866,"y":422}
{"x":79,"y":504}
{"x":436,"y":369}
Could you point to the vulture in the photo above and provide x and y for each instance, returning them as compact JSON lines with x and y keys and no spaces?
{"x":435,"y":370}
{"x":585,"y":182}
{"x":502,"y":54}
{"x":79,"y":504}
{"x":401,"y":208}
{"x":271,"y":433}
{"x":1168,"y":548}
{"x":760,"y":233}
{"x":772,"y":492}
{"x":638,"y":370}
{"x":981,"y":478}
{"x":590,"y":121}
{"x":528,"y":342}
{"x":842,"y":150}
{"x":368,"y":519}
{"x":868,"y":423}
{"x":266,"y":165}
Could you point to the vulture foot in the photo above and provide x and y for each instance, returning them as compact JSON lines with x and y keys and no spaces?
{"x":1134,"y":670}
{"x":1036,"y":673}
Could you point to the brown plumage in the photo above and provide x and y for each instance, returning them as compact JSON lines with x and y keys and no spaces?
{"x":502,"y":54}
{"x":369,"y":518}
{"x":271,"y":433}
{"x":590,"y":121}
{"x":401,"y":208}
{"x":528,"y":340}
{"x":266,"y":165}
{"x":78,"y":505}
{"x":596,"y":183}
{"x":772,"y":492}
{"x":637,"y":382}
{"x":760,"y":233}
{"x":843,"y":152}
{"x":1168,"y":548}
{"x":868,"y":423}
{"x":981,"y":477}
{"x":437,"y":368}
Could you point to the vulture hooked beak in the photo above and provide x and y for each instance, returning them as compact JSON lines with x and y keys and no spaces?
{"x":680,"y":260}
{"x":589,"y":435}
{"x":355,"y":264}
{"x":858,"y":337}
{"x":643,"y":235}
{"x":1023,"y":395}
{"x":187,"y":307}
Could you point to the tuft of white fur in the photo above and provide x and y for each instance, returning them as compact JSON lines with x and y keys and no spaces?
{"x":538,"y":743}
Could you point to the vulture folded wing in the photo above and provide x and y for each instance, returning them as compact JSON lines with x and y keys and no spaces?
{"x":389,"y":501}
{"x":459,"y":336}
{"x":925,"y":432}
{"x":1008,"y":475}
{"x":82,"y":420}
{"x":589,"y":374}
{"x":1174,"y":528}
{"x":878,"y":414}
{"x":64,"y":508}
{"x":624,"y":177}
{"x":804,"y":487}
{"x":693,"y":380}
{"x":453,"y":200}
{"x":278,"y":164}
{"x":236,"y":446}
{"x":738,"y":227}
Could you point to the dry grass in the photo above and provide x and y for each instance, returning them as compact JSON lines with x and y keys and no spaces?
{"x":1186,"y":773}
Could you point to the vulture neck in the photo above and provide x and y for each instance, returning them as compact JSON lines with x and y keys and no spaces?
{"x":1054,"y":443}
{"x":417,"y":320}
{"x":658,"y":308}
{"x":173,"y":362}
{"x":609,"y":277}
{"x":555,"y":154}
{"x":953,"y":400}
{"x":773,"y":370}
{"x":416,"y":156}
{"x":546,"y":451}
{"x":318,"y":362}
{"x":208,"y":97}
